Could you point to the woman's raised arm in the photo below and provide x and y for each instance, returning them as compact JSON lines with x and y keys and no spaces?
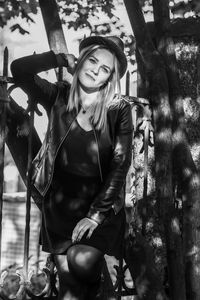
{"x":24,"y":71}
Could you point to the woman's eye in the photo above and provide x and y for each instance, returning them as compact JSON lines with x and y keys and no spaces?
{"x":92,"y":60}
{"x":105,"y":70}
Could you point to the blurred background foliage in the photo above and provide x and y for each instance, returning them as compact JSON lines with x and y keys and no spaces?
{"x":84,"y":13}
{"x":97,"y":16}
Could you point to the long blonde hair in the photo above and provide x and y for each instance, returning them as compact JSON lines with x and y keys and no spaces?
{"x":108,"y":94}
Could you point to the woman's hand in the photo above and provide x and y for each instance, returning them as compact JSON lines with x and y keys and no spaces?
{"x":82,"y":226}
{"x":67,"y":60}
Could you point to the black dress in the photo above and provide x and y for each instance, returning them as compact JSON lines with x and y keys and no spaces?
{"x":75,"y":183}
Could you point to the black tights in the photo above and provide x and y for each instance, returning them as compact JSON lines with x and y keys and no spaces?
{"x":79,"y":272}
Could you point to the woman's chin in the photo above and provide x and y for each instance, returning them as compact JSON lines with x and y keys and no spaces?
{"x":88,"y":88}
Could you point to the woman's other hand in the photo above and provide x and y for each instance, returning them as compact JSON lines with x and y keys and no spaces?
{"x":82,"y":227}
{"x":67,"y":60}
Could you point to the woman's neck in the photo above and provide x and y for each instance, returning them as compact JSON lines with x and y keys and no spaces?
{"x":88,"y":99}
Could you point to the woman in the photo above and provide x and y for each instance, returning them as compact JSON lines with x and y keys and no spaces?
{"x":79,"y":173}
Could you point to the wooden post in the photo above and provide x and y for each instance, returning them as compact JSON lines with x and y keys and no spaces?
{"x":127,"y":83}
{"x":3,"y":102}
{"x":28,"y":195}
{"x":54,"y":30}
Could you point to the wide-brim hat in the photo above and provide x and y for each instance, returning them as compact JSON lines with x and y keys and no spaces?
{"x":113,"y":43}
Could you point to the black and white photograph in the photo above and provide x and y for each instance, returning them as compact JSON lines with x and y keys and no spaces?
{"x":99,"y":149}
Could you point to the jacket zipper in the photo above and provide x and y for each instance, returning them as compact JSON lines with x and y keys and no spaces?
{"x":98,"y":156}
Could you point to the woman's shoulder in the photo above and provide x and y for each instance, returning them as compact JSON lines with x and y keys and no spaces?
{"x":120,"y":113}
{"x":120,"y":103}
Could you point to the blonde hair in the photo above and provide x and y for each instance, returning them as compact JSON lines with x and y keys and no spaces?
{"x":108,"y":94}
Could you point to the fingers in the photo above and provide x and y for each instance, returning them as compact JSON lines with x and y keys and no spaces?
{"x":78,"y":233}
{"x":82,"y":227}
{"x":90,"y":233}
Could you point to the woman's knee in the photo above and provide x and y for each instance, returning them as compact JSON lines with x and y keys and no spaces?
{"x":85,"y":262}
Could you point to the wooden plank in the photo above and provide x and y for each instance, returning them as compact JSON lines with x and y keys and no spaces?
{"x":3,"y":103}
{"x":54,"y":30}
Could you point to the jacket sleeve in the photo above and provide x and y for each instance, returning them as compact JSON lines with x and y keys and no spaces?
{"x":24,"y":71}
{"x":119,"y":165}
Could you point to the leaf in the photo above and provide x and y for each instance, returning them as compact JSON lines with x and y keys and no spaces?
{"x":21,"y":30}
{"x":33,"y":6}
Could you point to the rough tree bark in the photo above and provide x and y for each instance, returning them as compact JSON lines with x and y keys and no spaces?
{"x":173,"y":232}
{"x":182,"y":160}
{"x":159,"y":99}
{"x":185,"y":170}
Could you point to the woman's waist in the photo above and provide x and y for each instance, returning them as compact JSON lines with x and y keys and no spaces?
{"x":82,"y":170}
{"x":79,"y":184}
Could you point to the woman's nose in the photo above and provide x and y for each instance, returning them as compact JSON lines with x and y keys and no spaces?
{"x":95,"y":70}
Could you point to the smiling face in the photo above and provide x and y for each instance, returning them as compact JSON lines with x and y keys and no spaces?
{"x":96,"y":69}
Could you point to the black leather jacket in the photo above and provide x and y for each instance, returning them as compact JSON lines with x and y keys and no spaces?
{"x":114,"y":143}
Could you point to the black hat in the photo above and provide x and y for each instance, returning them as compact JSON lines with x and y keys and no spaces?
{"x":113,"y":43}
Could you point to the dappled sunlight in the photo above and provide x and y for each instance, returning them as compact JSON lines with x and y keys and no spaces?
{"x":82,"y":257}
{"x":92,"y":151}
{"x":164,"y":135}
{"x":179,"y":137}
{"x":193,"y":251}
{"x":175,"y":226}
{"x":178,"y":104}
{"x":195,"y":180}
{"x":59,"y":197}
{"x":162,"y":100}
{"x":197,"y":270}
{"x":76,"y":205}
{"x":157,"y":242}
{"x":187,"y":172}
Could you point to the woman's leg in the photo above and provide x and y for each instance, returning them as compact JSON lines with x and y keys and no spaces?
{"x":79,"y":270}
{"x":70,"y":288}
{"x":85,"y":263}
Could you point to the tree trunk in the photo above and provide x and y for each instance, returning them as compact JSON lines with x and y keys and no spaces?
{"x":161,"y":109}
{"x":182,"y":160}
{"x":173,"y":231}
{"x":139,"y":257}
